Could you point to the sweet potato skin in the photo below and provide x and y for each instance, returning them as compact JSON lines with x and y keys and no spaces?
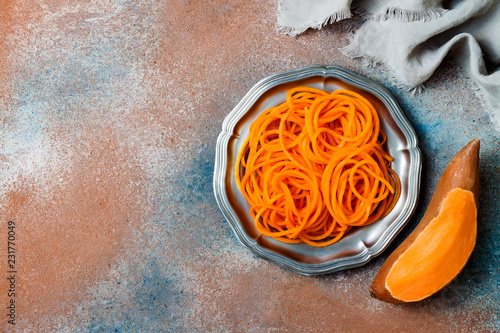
{"x":462,"y":172}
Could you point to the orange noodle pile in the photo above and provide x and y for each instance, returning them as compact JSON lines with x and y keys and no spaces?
{"x":314,"y":167}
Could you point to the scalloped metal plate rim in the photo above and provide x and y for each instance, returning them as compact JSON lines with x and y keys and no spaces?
{"x":365,"y":253}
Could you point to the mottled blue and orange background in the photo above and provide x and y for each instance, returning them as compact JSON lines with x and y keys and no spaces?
{"x":109,"y":114}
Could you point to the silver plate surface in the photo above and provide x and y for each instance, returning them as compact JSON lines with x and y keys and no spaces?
{"x":360,"y":244}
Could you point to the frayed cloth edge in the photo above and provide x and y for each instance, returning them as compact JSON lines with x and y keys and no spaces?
{"x":294,"y":31}
{"x":368,"y":61}
{"x":481,"y":96}
{"x":408,"y":15}
{"x":360,"y":11}
{"x":389,"y":13}
{"x":480,"y":92}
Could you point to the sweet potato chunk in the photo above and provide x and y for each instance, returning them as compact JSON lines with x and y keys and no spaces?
{"x":439,"y":247}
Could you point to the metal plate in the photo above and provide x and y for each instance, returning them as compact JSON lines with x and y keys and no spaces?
{"x":360,"y":244}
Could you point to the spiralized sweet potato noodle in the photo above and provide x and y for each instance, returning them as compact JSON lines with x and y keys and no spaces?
{"x":313,"y":167}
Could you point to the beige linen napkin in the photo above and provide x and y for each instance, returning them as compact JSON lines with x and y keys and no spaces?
{"x":409,"y":39}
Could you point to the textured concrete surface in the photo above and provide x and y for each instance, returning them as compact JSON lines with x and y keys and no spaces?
{"x":109,"y":114}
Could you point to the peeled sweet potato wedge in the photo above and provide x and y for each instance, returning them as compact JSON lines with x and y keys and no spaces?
{"x":439,"y":247}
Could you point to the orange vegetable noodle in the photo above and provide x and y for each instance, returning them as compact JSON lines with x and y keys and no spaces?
{"x":314,"y":167}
